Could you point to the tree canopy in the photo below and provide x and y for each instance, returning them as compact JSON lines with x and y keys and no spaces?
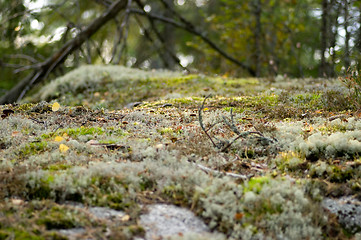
{"x":264,"y":38}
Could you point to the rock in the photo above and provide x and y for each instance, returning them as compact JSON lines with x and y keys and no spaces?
{"x":347,"y":210}
{"x":168,"y":221}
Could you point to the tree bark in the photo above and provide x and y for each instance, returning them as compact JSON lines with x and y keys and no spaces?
{"x":323,"y":66}
{"x":42,"y":70}
{"x":257,"y":36}
{"x":333,"y":31}
{"x":358,"y":40}
{"x":347,"y":35}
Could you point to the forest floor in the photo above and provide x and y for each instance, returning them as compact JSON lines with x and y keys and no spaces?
{"x":253,"y":158}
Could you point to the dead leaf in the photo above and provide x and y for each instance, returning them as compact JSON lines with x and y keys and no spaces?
{"x":55,"y":107}
{"x":63,"y":148}
{"x":58,"y":139}
{"x":125,"y":218}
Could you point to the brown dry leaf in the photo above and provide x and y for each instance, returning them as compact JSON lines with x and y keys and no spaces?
{"x":238,"y":216}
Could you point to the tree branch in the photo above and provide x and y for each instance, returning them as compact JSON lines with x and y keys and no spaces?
{"x":160,"y":38}
{"x":42,"y":70}
{"x":191,"y":29}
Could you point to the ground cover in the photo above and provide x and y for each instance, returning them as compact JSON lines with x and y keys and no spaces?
{"x":122,"y":138}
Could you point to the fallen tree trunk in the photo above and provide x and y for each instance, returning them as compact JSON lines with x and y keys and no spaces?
{"x":42,"y":70}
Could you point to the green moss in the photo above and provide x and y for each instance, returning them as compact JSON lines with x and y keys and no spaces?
{"x":291,"y":161}
{"x":176,"y":81}
{"x":58,"y":218}
{"x":307,"y":99}
{"x":74,"y":132}
{"x":146,"y":184}
{"x":33,"y":148}
{"x":167,"y":130}
{"x":136,"y":230}
{"x":176,"y":194}
{"x":18,"y":234}
{"x":25,"y":107}
{"x":118,"y":201}
{"x":341,"y":174}
{"x":255,"y":184}
{"x":332,"y":128}
{"x":57,"y":167}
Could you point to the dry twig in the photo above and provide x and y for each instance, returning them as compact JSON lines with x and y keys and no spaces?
{"x":224,"y":145}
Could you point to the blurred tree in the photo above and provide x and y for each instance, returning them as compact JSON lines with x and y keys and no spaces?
{"x":261,"y":37}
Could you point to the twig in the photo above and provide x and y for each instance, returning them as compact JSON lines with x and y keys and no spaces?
{"x":231,"y":124}
{"x":223,"y":145}
{"x":200,"y":119}
{"x":123,"y":34}
{"x":22,"y":56}
{"x":215,"y":172}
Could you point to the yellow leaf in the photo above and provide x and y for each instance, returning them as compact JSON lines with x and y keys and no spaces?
{"x":63,"y":148}
{"x":205,"y":109}
{"x":55,"y":107}
{"x":125,"y":218}
{"x":58,"y":139}
{"x":65,"y":135}
{"x":17,"y":29}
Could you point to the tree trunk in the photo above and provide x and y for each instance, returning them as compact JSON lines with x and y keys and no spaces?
{"x":323,"y":65}
{"x":168,"y":36}
{"x":257,"y":35}
{"x":333,"y":31}
{"x":347,"y":35}
{"x":358,"y":40}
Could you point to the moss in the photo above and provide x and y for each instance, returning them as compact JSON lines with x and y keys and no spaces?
{"x":291,"y":161}
{"x":255,"y":184}
{"x":57,"y":167}
{"x":332,"y":128}
{"x":18,"y":234}
{"x":146,"y":184}
{"x":33,"y":148}
{"x":176,"y":194}
{"x":74,"y":132}
{"x":340,"y":174}
{"x":118,"y":201}
{"x":167,"y":130}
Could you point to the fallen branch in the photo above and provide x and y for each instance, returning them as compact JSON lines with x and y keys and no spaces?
{"x":223,"y":145}
{"x":215,"y":172}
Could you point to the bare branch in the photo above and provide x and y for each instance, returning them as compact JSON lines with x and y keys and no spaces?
{"x":160,"y":38}
{"x":201,"y":120}
{"x":215,"y":172}
{"x":191,"y":29}
{"x":224,"y":145}
{"x":22,"y":56}
{"x":43,"y":69}
{"x":123,"y":34}
{"x":231,"y":124}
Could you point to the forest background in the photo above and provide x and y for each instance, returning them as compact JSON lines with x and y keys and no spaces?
{"x":261,"y":38}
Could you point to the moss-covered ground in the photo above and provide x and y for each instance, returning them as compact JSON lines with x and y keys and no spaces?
{"x":124,"y":138}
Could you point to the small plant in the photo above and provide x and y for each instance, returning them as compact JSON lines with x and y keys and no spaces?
{"x":352,"y":81}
